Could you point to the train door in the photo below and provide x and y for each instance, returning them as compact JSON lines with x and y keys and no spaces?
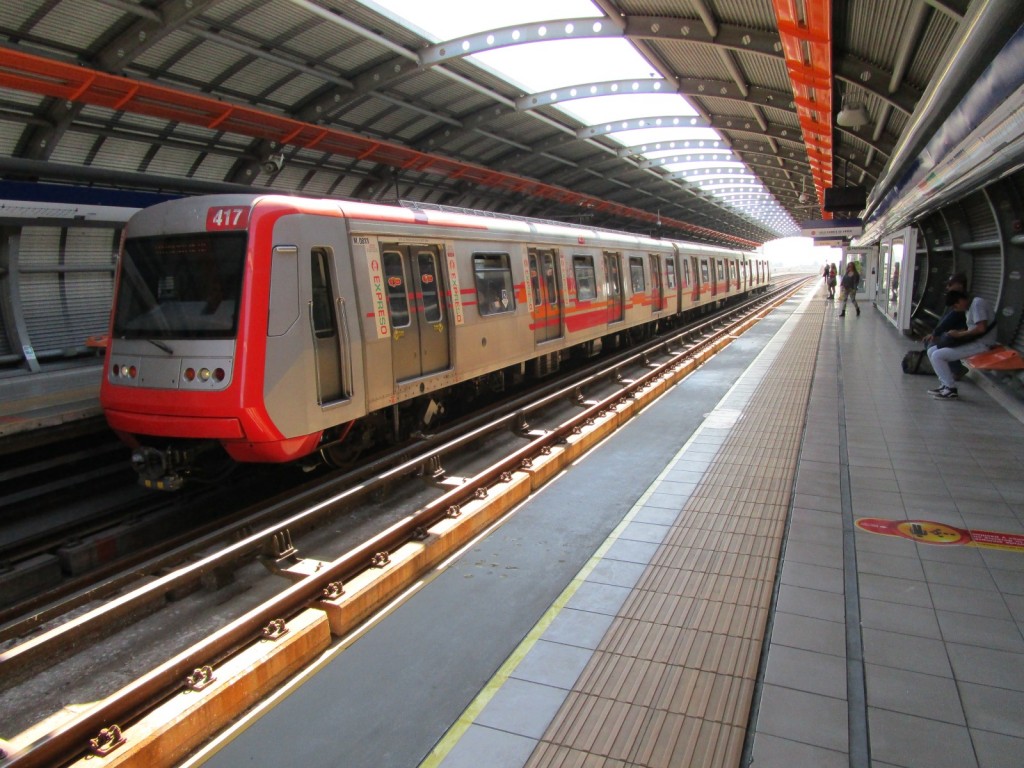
{"x":415,"y":289}
{"x":657,"y":288}
{"x":613,"y":274}
{"x":323,"y":320}
{"x":672,"y":282}
{"x":547,"y":302}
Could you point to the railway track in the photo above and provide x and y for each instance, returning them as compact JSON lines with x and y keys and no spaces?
{"x":382,"y":546}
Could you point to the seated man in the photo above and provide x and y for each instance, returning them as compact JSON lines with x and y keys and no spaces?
{"x":957,"y":344}
{"x":951,"y":320}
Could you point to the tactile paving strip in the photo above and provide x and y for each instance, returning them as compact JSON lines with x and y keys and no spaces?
{"x":671,"y":682}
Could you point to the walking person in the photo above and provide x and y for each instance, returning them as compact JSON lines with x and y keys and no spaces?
{"x":848,"y":287}
{"x":957,"y":344}
{"x":832,"y":280}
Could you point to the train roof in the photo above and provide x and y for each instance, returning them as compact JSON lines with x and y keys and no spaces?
{"x":405,"y":214}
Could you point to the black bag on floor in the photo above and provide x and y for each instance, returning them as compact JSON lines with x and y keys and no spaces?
{"x":916,"y":361}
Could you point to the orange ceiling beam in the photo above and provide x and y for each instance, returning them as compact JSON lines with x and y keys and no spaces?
{"x":61,"y":80}
{"x":807,"y":46}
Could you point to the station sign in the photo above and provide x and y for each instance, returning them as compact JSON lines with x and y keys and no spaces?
{"x":832,"y":228}
{"x":834,"y":241}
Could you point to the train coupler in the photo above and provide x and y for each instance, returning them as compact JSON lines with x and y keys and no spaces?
{"x":157,"y":469}
{"x":165,"y":483}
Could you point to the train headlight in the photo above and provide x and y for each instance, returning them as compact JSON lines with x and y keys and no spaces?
{"x":116,"y":371}
{"x":133,"y":371}
{"x":218,"y":374}
{"x":124,"y":371}
{"x":190,"y":374}
{"x":204,"y":374}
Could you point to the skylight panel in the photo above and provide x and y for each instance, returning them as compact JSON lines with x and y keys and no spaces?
{"x":549,"y":70}
{"x":448,"y":19}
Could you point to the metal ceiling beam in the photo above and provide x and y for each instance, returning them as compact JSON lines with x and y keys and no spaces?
{"x":36,"y":74}
{"x":806,"y":36}
{"x":740,"y":38}
{"x":646,"y":28}
{"x":637,"y":123}
{"x":113,"y":55}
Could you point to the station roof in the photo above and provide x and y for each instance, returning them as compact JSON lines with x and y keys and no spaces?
{"x":720,"y":121}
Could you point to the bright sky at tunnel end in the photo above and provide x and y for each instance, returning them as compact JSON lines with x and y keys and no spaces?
{"x":553,"y":67}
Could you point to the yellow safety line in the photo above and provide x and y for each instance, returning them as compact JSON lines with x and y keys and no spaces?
{"x":469,"y":715}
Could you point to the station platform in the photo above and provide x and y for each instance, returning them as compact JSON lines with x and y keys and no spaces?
{"x":796,"y":557}
{"x":58,"y":396}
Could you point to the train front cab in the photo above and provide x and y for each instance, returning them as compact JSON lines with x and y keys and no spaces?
{"x":312,"y":370}
{"x":233,"y":325}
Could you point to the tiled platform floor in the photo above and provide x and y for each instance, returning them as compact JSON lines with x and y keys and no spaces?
{"x":881,"y":650}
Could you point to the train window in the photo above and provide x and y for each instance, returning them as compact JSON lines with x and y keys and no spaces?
{"x":721,"y":270}
{"x":704,"y":276}
{"x":495,"y":292}
{"x":535,"y":280}
{"x":180,"y":286}
{"x":636,"y":274}
{"x":398,"y":294}
{"x":670,"y":273}
{"x":427,"y":265}
{"x":323,"y":301}
{"x":686,"y":271}
{"x":586,"y":277}
{"x":550,"y":278}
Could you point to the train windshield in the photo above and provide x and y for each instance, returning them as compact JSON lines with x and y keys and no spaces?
{"x":180,"y":286}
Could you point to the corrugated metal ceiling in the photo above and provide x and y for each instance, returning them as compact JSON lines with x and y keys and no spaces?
{"x":300,"y":58}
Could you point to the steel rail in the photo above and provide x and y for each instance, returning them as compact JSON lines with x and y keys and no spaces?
{"x":18,"y":662}
{"x":145,"y":693}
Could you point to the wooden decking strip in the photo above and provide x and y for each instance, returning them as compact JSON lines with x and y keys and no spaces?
{"x":672,"y":681}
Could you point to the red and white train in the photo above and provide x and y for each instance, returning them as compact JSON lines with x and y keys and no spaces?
{"x":285,"y":328}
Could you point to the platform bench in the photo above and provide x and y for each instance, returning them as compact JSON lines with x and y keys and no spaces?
{"x":996,"y":359}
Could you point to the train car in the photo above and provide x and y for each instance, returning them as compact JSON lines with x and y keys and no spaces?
{"x":280,"y":329}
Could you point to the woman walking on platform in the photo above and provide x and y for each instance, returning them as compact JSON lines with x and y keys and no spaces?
{"x":848,"y":287}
